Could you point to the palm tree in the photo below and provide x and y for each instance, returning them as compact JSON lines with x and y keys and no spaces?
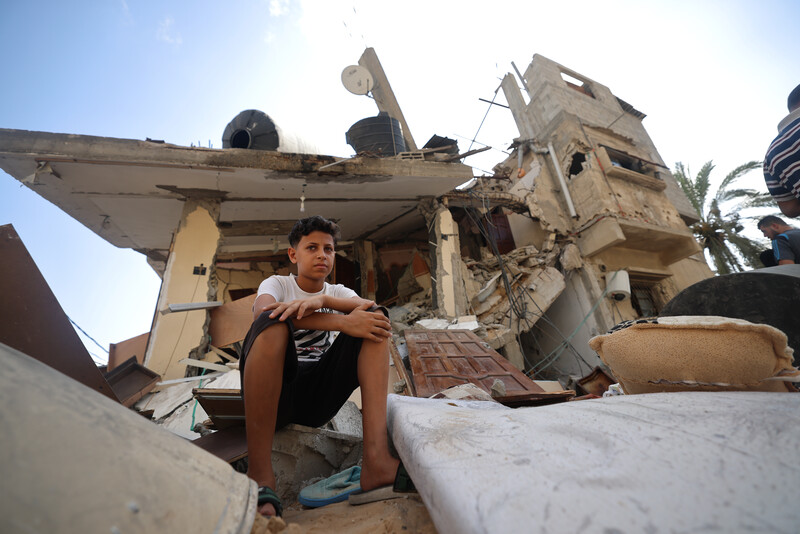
{"x":717,"y":232}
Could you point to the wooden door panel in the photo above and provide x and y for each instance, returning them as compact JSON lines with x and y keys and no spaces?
{"x":445,"y":358}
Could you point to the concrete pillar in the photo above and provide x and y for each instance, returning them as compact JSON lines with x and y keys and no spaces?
{"x":366,"y":256}
{"x":449,"y":294}
{"x":519,"y":110}
{"x":178,"y":335}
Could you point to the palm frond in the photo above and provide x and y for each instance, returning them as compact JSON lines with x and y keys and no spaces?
{"x":718,"y":252}
{"x":749,"y":249}
{"x":737,"y":173}
{"x":761,"y":200}
{"x":686,"y":184}
{"x":703,"y":181}
{"x":720,"y":234}
{"x":734,"y":194}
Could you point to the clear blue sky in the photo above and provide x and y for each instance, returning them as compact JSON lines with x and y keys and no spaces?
{"x":712,"y":76}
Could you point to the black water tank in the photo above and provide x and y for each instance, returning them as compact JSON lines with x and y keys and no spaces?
{"x":381,"y":135}
{"x":764,"y":296}
{"x":251,"y":129}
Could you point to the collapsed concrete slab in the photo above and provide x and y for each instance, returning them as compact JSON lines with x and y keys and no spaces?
{"x":74,"y":460}
{"x":661,"y":462}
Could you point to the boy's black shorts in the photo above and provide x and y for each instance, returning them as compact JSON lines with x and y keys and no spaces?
{"x":312,"y":392}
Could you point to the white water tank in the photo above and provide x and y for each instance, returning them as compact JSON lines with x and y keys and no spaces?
{"x":618,"y":285}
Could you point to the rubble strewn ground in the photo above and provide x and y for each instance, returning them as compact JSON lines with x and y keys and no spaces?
{"x":397,"y":515}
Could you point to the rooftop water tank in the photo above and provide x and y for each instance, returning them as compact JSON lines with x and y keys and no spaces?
{"x":256,"y":130}
{"x":381,"y":135}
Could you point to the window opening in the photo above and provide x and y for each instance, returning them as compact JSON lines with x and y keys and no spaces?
{"x":237,"y":294}
{"x":643,"y":299}
{"x":578,"y":159}
{"x":577,"y":84}
{"x":632,"y":163}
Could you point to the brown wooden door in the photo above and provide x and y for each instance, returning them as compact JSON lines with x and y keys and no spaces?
{"x":445,"y":358}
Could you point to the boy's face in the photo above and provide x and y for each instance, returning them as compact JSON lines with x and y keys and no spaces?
{"x":314,"y":255}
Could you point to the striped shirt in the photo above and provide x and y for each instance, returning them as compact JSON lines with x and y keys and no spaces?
{"x":782,"y":162}
{"x":310,"y":344}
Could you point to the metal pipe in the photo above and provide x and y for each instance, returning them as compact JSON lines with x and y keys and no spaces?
{"x":561,"y":179}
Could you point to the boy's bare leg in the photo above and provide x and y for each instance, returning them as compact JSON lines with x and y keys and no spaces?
{"x":379,"y":466}
{"x":263,"y":379}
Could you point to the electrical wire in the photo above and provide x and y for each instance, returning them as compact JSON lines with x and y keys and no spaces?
{"x":484,"y":118}
{"x":196,"y":402}
{"x":183,"y":326}
{"x":518,"y":306}
{"x":553,"y":356}
{"x":87,"y":335}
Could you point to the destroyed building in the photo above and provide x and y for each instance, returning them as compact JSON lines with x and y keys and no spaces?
{"x":584,"y":173}
{"x":584,"y":195}
{"x":580,"y":228}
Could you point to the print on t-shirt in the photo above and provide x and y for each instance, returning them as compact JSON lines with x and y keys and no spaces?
{"x":310,"y":344}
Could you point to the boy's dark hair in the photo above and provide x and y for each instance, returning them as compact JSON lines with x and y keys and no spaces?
{"x":769,"y":220}
{"x":313,"y":224}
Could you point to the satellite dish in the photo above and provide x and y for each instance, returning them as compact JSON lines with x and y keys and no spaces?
{"x":357,"y":80}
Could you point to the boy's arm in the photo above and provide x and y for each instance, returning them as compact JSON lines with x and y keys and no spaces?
{"x":297,"y":309}
{"x":359,"y":322}
{"x":262,"y":303}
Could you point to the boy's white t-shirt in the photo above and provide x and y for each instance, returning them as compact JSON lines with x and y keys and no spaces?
{"x":311,"y":344}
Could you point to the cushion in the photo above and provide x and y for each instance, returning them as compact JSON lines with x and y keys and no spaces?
{"x":697,"y":353}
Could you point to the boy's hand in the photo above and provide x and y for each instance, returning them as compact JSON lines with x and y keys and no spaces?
{"x":295,"y":308}
{"x":374,"y":326}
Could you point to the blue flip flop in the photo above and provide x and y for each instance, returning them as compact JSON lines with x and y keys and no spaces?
{"x":336,"y":488}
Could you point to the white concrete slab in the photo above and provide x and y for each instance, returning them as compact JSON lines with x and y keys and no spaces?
{"x":670,"y":462}
{"x":165,"y":402}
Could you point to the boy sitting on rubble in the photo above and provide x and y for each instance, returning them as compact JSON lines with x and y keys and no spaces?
{"x":293,"y":371}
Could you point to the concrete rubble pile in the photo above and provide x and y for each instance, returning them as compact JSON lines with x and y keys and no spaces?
{"x":534,"y":282}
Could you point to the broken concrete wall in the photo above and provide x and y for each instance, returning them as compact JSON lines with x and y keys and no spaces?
{"x":599,"y":185}
{"x":594,"y":103}
{"x":627,"y":218}
{"x":233,"y":276}
{"x":570,"y":315}
{"x":449,"y":298}
{"x":175,"y":336}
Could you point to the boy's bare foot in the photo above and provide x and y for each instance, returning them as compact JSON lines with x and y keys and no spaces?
{"x":267,"y":510}
{"x":375,"y":474}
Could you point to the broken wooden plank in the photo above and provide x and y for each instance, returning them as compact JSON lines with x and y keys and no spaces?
{"x":229,"y":444}
{"x":205,"y":365}
{"x":225,"y":407}
{"x":231,"y":321}
{"x":189,"y":379}
{"x":221,"y":353}
{"x":131,"y":381}
{"x":118,"y":353}
{"x":400,"y":369}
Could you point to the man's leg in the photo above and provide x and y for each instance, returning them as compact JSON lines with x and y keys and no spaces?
{"x":263,"y":379}
{"x":379,"y":466}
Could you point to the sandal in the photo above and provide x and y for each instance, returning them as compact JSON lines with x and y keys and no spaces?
{"x":403,"y":485}
{"x":267,"y":495}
